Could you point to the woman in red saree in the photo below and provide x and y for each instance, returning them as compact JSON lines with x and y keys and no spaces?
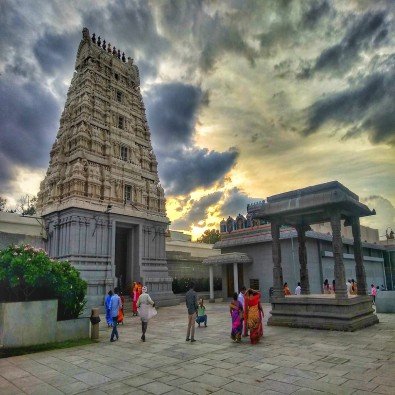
{"x":255,"y":315}
{"x":135,"y":297}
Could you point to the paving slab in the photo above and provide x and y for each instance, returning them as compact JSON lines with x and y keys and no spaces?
{"x":286,"y":361}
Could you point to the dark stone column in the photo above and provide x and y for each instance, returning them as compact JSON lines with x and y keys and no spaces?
{"x":358,"y":256}
{"x":304,"y":274}
{"x":340,"y":276}
{"x":277,"y":269}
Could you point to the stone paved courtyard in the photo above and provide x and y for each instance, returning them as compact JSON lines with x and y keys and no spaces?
{"x":287,"y":361}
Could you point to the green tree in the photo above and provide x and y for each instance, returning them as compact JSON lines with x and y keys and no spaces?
{"x":210,"y":236}
{"x":27,"y":205}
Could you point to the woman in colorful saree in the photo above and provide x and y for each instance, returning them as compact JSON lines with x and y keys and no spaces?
{"x":255,"y":315}
{"x":236,"y":312}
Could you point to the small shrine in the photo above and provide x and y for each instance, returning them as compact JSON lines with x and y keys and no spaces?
{"x":330,"y":202}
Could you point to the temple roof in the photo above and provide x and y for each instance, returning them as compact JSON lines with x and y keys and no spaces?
{"x":312,"y":205}
{"x":223,"y":259}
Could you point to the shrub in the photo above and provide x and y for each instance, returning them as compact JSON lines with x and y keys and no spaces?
{"x":28,"y":274}
{"x":181,"y":285}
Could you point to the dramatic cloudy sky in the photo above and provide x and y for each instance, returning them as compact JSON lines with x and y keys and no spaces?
{"x":244,"y":99}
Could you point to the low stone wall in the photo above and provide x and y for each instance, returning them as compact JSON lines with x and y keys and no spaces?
{"x":385,"y":302}
{"x":323,"y":312}
{"x":72,"y":329}
{"x":30,"y":323}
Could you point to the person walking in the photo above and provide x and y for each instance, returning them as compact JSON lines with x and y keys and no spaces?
{"x":108,"y":310}
{"x":115,"y":306}
{"x":121,"y":312}
{"x":236,"y":313}
{"x":242,"y":299}
{"x":255,"y":315}
{"x":134,"y":295}
{"x":192,"y":306}
{"x":146,"y":309}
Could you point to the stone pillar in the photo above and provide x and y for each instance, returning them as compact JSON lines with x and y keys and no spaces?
{"x":277,"y":269}
{"x":337,"y":243}
{"x":235,"y":277}
{"x":304,"y":274}
{"x":358,"y":256}
{"x":211,"y":272}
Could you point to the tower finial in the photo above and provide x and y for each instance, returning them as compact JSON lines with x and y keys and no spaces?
{"x":99,"y":41}
{"x":123,"y":57}
{"x":85,"y":33}
{"x":94,"y":38}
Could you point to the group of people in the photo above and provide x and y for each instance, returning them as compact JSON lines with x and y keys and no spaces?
{"x":328,"y":288}
{"x":245,"y":310}
{"x":246,"y":313}
{"x":114,"y":304}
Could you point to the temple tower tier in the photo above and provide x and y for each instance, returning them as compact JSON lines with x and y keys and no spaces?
{"x":101,"y":199}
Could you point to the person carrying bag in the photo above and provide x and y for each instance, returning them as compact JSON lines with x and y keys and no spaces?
{"x":146,"y":310}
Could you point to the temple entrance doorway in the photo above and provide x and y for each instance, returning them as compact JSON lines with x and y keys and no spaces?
{"x":230,"y":278}
{"x":127,"y":267}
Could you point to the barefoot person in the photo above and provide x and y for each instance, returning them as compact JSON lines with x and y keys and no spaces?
{"x":115,"y":306}
{"x":255,"y":315}
{"x":236,"y":313}
{"x":146,"y":310}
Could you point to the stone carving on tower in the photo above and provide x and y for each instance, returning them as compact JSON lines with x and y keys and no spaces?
{"x":102,"y":173}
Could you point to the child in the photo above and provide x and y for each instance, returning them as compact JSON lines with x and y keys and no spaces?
{"x":201,"y":317}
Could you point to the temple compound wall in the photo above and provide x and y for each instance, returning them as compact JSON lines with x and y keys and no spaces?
{"x":101,"y":199}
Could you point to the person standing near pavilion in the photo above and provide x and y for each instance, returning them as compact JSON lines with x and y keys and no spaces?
{"x":108,"y":310}
{"x":373,"y":292}
{"x":286,"y":290}
{"x":236,"y":313}
{"x":192,"y":306}
{"x":298,"y":289}
{"x":242,"y":299}
{"x":115,"y":306}
{"x":255,"y":315}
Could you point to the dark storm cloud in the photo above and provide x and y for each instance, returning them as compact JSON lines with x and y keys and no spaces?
{"x":131,"y":27}
{"x":314,"y":13}
{"x":236,"y":202}
{"x":55,"y":53}
{"x":367,"y":107}
{"x":185,"y":170}
{"x":28,"y":118}
{"x":171,"y":111}
{"x":212,"y":33}
{"x":198,"y":211}
{"x":366,"y":32}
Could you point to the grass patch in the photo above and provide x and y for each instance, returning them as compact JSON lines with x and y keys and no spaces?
{"x":12,"y":352}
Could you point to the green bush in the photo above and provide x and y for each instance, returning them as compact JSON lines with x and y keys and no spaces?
{"x":28,"y":274}
{"x":181,"y":285}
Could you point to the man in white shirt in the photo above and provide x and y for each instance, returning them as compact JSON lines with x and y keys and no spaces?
{"x":241,"y":299}
{"x":298,"y":289}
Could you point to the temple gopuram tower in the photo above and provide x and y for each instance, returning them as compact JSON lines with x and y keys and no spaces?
{"x":101,"y":200}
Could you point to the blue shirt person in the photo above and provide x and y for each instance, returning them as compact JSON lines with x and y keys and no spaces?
{"x":115,"y":305}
